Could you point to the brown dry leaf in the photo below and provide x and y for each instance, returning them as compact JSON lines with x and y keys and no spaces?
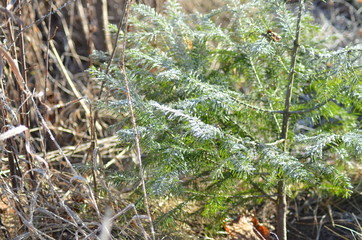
{"x":241,"y":229}
{"x":264,"y":231}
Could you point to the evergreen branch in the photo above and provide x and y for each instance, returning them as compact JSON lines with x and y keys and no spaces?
{"x":356,"y":48}
{"x":262,"y":87}
{"x":312,"y":108}
{"x":243,"y":196}
{"x":319,"y":105}
{"x":133,"y":120}
{"x":258,"y":108}
{"x":274,"y":143}
{"x":200,"y":129}
{"x":228,"y":94}
{"x":270,"y":196}
{"x":324,"y":142}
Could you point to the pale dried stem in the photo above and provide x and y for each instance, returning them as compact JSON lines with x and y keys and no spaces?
{"x":133,"y":120}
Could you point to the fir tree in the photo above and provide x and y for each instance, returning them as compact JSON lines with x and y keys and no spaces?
{"x":255,"y":104}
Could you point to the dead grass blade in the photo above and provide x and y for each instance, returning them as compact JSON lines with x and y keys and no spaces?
{"x":12,"y":132}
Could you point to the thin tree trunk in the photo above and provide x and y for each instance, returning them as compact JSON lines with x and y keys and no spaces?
{"x":282,"y":204}
{"x":282,"y":211}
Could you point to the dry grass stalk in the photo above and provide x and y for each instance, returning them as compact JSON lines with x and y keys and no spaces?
{"x":35,"y":188}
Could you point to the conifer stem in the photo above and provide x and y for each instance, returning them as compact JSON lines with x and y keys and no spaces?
{"x":282,"y":198}
{"x":134,"y":124}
